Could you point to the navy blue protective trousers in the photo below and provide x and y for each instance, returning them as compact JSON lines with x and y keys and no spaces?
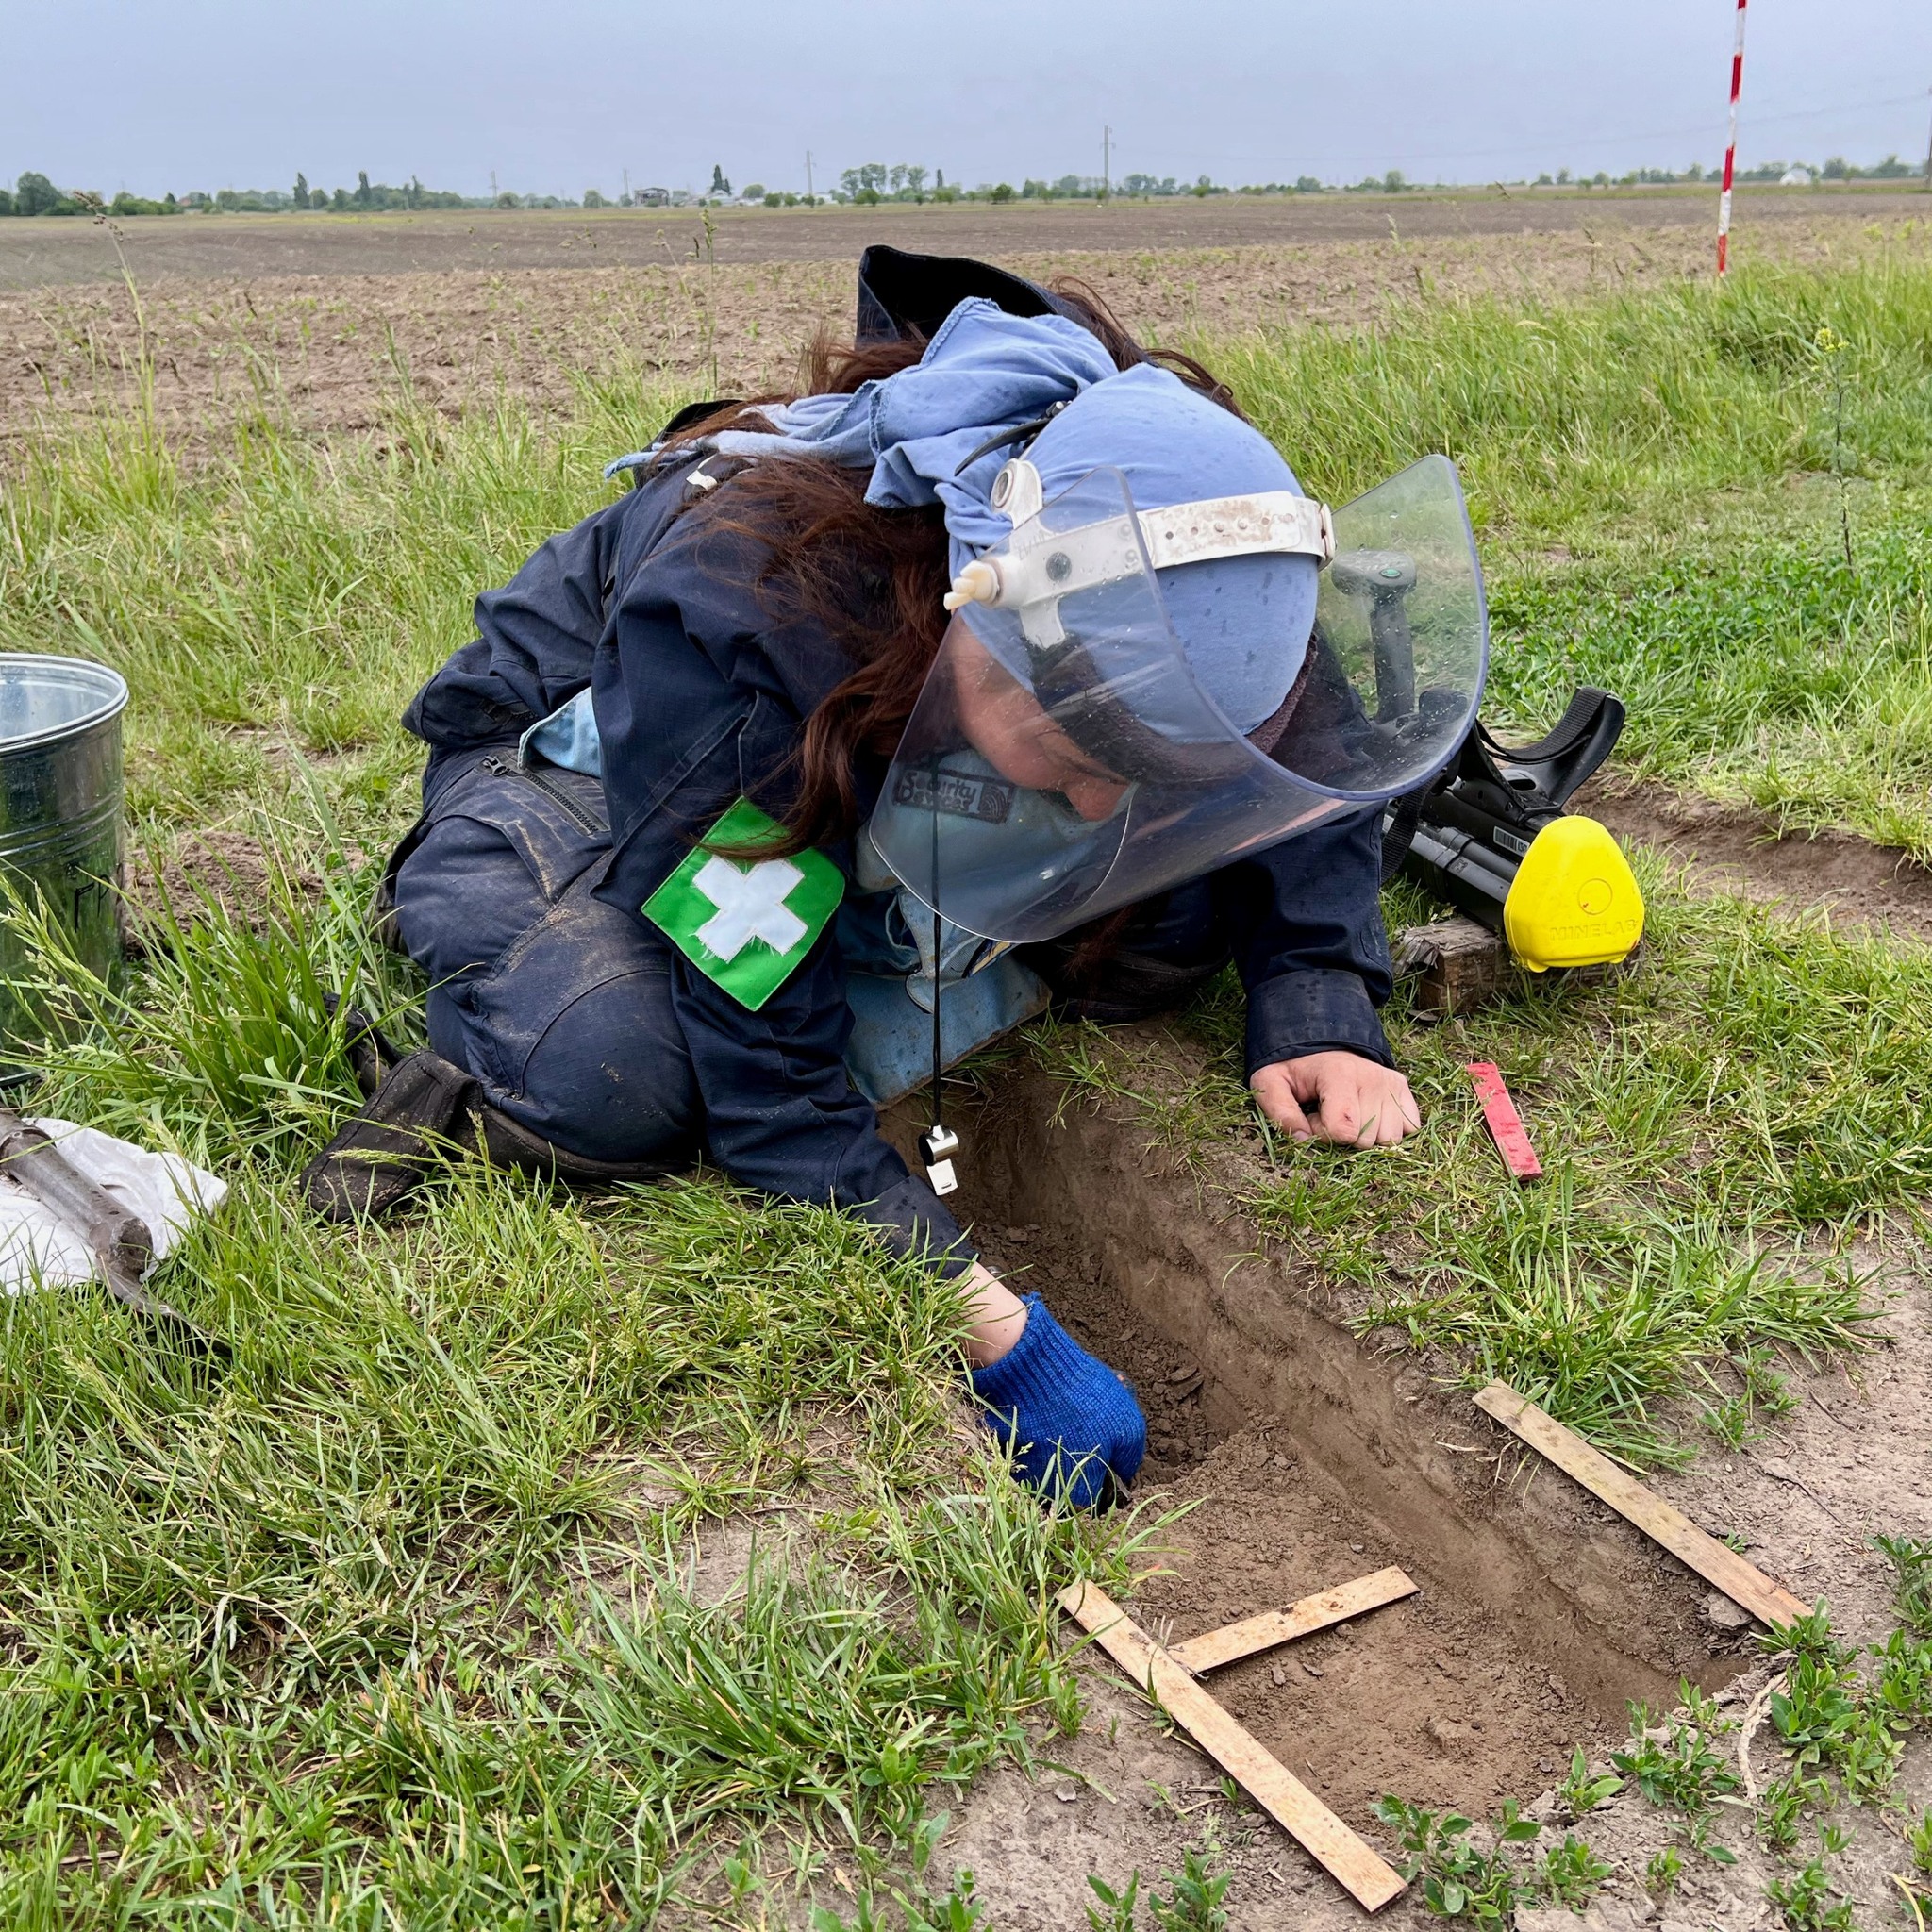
{"x":558,"y":1003}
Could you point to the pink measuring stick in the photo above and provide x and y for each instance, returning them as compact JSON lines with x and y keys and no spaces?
{"x":1504,"y":1123}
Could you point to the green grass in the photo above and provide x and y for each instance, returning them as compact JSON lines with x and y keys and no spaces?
{"x":391,"y":1619}
{"x":279,"y":596}
{"x":1716,"y":1129}
{"x":1756,"y":667}
{"x":387,"y":1615}
{"x":1661,"y":482}
{"x":1570,"y":417}
{"x":391,"y":1616}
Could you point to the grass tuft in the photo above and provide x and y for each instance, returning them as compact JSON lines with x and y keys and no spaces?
{"x":232,"y":1042}
{"x":394,"y":1608}
{"x":1718,"y":1129}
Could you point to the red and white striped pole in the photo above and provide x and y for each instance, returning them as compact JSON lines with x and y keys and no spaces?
{"x":1724,"y":204}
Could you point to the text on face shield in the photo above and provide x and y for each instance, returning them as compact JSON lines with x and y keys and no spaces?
{"x":960,"y":794}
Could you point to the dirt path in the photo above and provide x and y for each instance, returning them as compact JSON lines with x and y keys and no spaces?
{"x":1734,"y":849}
{"x":332,"y":350}
{"x":246,"y":247}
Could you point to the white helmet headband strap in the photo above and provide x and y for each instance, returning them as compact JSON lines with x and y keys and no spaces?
{"x":1038,"y":566}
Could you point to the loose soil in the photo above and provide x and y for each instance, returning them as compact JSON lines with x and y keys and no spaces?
{"x":335,"y":340}
{"x":1310,"y":1460}
{"x":227,"y":869}
{"x":1306,"y":1459}
{"x":1733,"y":849}
{"x":243,"y":247}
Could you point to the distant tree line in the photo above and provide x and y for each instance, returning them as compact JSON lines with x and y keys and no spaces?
{"x":1837,"y":169}
{"x":364,"y":196}
{"x":35,"y":194}
{"x":873,"y":182}
{"x":865,"y":186}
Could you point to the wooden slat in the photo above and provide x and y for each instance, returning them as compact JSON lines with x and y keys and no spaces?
{"x":1743,"y":1583}
{"x":1346,"y":1858}
{"x":1214,"y":1648}
{"x":1455,"y":963}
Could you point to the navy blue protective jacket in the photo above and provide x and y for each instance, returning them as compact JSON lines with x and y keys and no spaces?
{"x":700,"y":696}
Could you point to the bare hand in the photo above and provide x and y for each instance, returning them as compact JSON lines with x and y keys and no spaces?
{"x":1338,"y":1096}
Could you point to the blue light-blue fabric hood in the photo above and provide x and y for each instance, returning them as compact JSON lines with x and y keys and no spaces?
{"x":1242,"y":621}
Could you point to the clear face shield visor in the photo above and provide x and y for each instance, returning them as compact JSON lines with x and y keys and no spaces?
{"x":1063,"y":761}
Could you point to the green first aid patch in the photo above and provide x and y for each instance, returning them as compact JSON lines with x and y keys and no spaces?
{"x":746,"y":923}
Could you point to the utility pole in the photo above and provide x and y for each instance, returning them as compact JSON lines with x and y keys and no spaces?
{"x":1929,"y":164}
{"x":492,"y":184}
{"x":1106,"y":164}
{"x":810,"y":202}
{"x":626,"y":187}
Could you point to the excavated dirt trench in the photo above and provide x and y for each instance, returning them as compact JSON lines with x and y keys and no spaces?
{"x":1733,"y":849}
{"x":1310,"y":1460}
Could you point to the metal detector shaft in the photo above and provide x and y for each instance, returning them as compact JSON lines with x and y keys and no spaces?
{"x":121,"y":1241}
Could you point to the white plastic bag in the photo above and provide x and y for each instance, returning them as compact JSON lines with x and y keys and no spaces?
{"x":38,"y":1250}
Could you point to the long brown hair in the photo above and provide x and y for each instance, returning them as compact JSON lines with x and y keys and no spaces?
{"x":871,"y":578}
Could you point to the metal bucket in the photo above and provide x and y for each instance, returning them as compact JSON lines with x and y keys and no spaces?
{"x":59,"y":822}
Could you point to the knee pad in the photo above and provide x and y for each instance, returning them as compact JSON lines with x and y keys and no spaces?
{"x":427,"y":1108}
{"x":509,"y":1143}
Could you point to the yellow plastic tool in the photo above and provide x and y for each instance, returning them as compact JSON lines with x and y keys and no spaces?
{"x":1574,"y":901}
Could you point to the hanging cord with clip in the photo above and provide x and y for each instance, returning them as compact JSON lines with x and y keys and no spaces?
{"x":938,"y":1144}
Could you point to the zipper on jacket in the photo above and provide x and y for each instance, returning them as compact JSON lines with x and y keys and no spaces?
{"x":502,"y":768}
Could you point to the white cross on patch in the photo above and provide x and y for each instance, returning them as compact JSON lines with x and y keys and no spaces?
{"x":751,"y":905}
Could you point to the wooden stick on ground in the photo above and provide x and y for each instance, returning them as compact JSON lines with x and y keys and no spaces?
{"x":1743,"y":1583}
{"x":1214,"y":1648}
{"x":1346,"y":1858}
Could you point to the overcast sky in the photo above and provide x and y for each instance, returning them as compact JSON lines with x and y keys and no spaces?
{"x":567,"y":94}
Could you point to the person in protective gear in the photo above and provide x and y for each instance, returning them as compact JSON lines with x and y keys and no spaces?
{"x":987,"y":673}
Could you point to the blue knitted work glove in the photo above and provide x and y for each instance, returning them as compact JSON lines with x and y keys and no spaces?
{"x":1070,"y":1420}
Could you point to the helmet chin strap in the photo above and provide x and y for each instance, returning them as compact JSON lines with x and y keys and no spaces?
{"x":1038,"y":566}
